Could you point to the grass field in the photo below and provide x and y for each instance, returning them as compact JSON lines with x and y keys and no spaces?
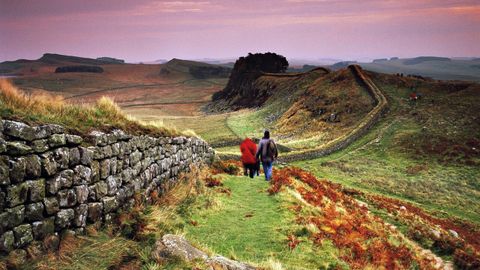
{"x":254,"y":228}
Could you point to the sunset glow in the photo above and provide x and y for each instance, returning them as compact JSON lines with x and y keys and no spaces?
{"x":147,"y":30}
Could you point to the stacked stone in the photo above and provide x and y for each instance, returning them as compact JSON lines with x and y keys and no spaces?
{"x":51,"y":181}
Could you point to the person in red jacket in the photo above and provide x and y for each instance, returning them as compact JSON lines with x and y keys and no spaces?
{"x":249,"y":149}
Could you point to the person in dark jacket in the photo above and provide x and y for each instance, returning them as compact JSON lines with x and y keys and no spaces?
{"x":249,"y":150}
{"x":267,"y":153}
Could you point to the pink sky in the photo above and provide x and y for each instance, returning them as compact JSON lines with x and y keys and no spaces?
{"x":145,"y":30}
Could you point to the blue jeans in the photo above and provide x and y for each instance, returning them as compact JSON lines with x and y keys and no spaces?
{"x":267,"y":169}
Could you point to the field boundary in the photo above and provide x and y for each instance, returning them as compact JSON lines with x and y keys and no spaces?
{"x":381,"y":106}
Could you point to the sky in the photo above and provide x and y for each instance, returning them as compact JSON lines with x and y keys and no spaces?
{"x":147,"y":30}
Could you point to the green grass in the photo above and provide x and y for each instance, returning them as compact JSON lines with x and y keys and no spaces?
{"x":376,"y":164}
{"x":262,"y":238}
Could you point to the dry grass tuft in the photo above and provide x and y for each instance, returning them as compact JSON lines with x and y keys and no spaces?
{"x":104,"y":115}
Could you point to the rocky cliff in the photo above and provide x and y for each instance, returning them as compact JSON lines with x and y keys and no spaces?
{"x":52,"y":182}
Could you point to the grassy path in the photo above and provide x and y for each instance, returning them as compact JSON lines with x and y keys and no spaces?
{"x":249,"y":225}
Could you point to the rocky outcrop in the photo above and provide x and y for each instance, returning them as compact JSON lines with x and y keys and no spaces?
{"x":52,"y":181}
{"x":170,"y":246}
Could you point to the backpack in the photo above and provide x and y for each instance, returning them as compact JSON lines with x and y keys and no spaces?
{"x":271,"y":149}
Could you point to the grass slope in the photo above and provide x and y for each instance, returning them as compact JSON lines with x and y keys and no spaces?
{"x":249,"y":225}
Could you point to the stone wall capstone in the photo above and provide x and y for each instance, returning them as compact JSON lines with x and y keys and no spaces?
{"x":52,"y":182}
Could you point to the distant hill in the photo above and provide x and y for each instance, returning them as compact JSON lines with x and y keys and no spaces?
{"x":421,"y":59}
{"x":23,"y":66}
{"x":439,"y":68}
{"x":198,"y":70}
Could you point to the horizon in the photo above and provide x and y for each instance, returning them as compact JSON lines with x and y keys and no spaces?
{"x":148,"y":30}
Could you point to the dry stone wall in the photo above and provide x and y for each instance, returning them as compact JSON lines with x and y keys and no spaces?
{"x":51,"y":181}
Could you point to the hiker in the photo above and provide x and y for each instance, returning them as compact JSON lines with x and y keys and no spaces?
{"x":267,"y":151}
{"x":249,"y":149}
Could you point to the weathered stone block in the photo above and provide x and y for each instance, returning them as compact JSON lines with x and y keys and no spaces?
{"x":36,"y":190}
{"x":19,"y":130}
{"x":82,"y":193}
{"x":82,"y":175}
{"x":41,"y":229}
{"x":7,"y":240}
{"x":110,"y":204}
{"x":4,"y":171}
{"x":101,"y":189}
{"x":64,"y":179}
{"x":33,"y":166}
{"x":113,"y":166}
{"x":62,"y":157}
{"x":98,"y":138}
{"x":53,"y":129}
{"x":23,"y":235}
{"x":73,"y":139}
{"x":17,"y":194}
{"x":74,"y":156}
{"x":135,"y":157}
{"x":64,"y":219}
{"x":95,"y":166}
{"x":80,"y":219}
{"x":51,"y":205}
{"x":18,"y":149}
{"x":106,"y":151}
{"x":95,"y":211}
{"x":57,"y":140}
{"x":39,"y":146}
{"x":104,"y":168}
{"x":115,"y":149}
{"x":49,"y":164}
{"x":34,"y":211}
{"x":3,"y":145}
{"x":112,"y":185}
{"x":17,"y":169}
{"x":86,"y":155}
{"x":67,"y":198}
{"x":11,"y":217}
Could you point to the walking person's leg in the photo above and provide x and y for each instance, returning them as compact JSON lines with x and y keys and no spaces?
{"x":267,"y":169}
{"x":251,"y":170}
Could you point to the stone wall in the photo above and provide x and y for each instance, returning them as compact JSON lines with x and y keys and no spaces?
{"x":51,"y":182}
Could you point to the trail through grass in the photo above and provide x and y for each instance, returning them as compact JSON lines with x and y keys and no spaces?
{"x":249,"y":225}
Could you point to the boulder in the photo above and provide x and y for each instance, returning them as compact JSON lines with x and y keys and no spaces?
{"x":176,"y":246}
